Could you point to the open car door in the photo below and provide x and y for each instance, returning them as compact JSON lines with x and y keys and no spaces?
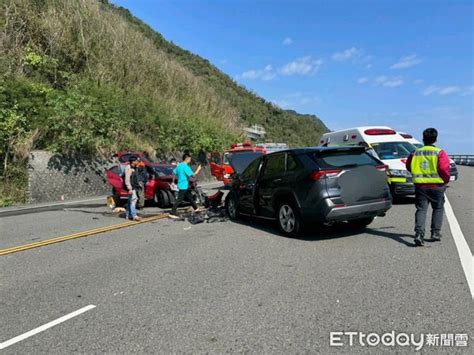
{"x":216,"y":166}
{"x":114,"y":179}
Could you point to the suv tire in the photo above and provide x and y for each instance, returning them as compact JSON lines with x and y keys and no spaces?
{"x":288,"y":219}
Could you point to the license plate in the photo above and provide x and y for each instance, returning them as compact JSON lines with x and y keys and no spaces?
{"x":452,"y":178}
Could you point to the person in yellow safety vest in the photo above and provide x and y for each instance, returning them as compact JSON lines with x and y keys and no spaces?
{"x":429,"y":166}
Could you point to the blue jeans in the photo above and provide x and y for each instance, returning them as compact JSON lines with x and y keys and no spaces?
{"x":132,"y":205}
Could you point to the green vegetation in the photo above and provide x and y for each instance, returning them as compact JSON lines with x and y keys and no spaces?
{"x":86,"y":76}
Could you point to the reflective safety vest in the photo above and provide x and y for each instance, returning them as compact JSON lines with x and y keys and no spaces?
{"x":424,"y":165}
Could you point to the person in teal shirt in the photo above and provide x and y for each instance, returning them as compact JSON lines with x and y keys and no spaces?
{"x":183,"y":172}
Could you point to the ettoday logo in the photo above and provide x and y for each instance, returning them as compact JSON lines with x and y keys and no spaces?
{"x":392,"y":339}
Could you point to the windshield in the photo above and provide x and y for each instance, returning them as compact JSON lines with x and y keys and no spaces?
{"x":126,"y":157}
{"x":393,"y":150}
{"x":240,"y":160}
{"x":164,"y":170}
{"x":418,"y":145}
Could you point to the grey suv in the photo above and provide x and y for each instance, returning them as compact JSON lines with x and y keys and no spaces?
{"x":310,"y":185}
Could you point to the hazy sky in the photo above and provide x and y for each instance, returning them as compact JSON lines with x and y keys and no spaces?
{"x":404,"y":64}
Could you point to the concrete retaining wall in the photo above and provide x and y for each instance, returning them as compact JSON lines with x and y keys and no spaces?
{"x":53,"y":177}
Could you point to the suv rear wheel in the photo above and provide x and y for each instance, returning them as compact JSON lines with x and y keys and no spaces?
{"x":289,"y":220}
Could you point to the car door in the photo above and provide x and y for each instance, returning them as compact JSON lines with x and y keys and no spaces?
{"x":270,"y":180}
{"x":216,"y":166}
{"x":151,"y":182}
{"x":246,"y":187}
{"x":115,"y":179}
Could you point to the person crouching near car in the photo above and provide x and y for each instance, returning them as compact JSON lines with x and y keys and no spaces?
{"x":183,"y":172}
{"x":429,"y":166}
{"x":132,"y":184}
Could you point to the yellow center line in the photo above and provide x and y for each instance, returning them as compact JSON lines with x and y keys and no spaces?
{"x":83,"y":234}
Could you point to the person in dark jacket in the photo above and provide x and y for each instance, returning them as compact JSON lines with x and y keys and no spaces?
{"x":429,"y":166}
{"x":132,"y":185}
{"x":142,"y":176}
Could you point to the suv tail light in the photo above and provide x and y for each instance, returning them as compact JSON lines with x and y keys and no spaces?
{"x":379,"y":131}
{"x":381,"y":167}
{"x":320,"y":174}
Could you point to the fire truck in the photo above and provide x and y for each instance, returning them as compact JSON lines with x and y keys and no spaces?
{"x":241,"y":154}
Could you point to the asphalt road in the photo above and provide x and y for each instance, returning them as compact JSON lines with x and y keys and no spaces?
{"x":169,"y":286}
{"x":461,"y":197}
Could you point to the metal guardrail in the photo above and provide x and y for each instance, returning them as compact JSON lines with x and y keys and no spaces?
{"x":463,"y":159}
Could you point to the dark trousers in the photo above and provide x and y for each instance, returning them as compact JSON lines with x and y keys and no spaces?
{"x":184,"y":195}
{"x":141,"y":197}
{"x":423,"y":198}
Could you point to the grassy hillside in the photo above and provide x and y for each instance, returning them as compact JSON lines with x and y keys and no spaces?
{"x":84,"y":75}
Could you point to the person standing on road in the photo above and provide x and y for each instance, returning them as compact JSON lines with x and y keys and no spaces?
{"x":132,"y":184}
{"x":429,"y":166}
{"x":183,"y":172}
{"x":142,"y":180}
{"x":174,"y":188}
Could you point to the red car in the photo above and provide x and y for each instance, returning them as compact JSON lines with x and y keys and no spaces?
{"x":157,"y":189}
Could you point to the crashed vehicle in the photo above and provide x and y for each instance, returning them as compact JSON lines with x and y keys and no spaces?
{"x":220,"y":165}
{"x":309,"y":186}
{"x":158,"y":189}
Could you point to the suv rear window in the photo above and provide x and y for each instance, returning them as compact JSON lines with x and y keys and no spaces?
{"x":345,"y":158}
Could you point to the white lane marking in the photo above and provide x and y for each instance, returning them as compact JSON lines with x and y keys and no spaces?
{"x":464,"y":252}
{"x":51,"y":324}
